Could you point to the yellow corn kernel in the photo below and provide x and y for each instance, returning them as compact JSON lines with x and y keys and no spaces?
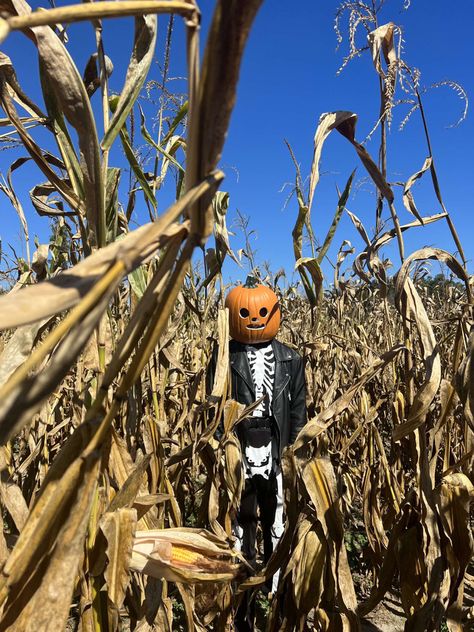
{"x":183,"y":555}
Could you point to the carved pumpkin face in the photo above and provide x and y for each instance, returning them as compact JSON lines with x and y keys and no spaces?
{"x":254,"y":313}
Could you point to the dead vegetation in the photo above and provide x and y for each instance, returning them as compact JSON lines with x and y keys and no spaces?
{"x":117,"y":499}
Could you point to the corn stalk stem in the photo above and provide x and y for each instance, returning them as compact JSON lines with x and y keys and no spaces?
{"x":396,"y":223}
{"x":191,"y":176}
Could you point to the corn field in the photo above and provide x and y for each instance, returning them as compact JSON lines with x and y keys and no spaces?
{"x":117,"y":498}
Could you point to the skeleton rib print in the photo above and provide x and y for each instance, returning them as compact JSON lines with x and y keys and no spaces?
{"x":262,"y":368}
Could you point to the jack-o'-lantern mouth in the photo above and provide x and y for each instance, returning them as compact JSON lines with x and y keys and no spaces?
{"x":255,"y":327}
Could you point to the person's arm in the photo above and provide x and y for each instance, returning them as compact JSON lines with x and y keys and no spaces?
{"x":298,"y":399}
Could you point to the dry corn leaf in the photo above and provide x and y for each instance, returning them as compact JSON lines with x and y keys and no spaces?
{"x":308,"y":564}
{"x":66,"y":289}
{"x":8,"y":189}
{"x":387,"y":236}
{"x":71,"y":94}
{"x":19,"y":96}
{"x":312,"y":265}
{"x":413,"y":309}
{"x":408,"y":199}
{"x":371,"y":489}
{"x":118,"y":528}
{"x":38,"y":156}
{"x":107,"y":8}
{"x":345,"y":123}
{"x":23,"y":395}
{"x":360,"y":227}
{"x":221,"y":374}
{"x":440,"y":255}
{"x":146,"y":28}
{"x":464,"y":382}
{"x":346,"y":127}
{"x":126,"y":495}
{"x":387,"y":572}
{"x":232,"y":473}
{"x":321,"y":422}
{"x":13,"y":501}
{"x":320,"y":484}
{"x":327,"y":122}
{"x":17,"y":349}
{"x":412,"y":570}
{"x":381,"y":42}
{"x":40,"y":574}
{"x":212,"y":99}
{"x":434,"y":595}
{"x":456,"y":494}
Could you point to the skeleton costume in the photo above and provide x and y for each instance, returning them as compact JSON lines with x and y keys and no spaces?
{"x":263,"y":479}
{"x":261,"y":368}
{"x":257,"y":434}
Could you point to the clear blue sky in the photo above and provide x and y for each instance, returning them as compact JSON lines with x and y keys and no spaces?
{"x":288,"y":78}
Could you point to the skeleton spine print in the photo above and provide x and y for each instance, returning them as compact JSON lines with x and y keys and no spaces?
{"x":262,"y":368}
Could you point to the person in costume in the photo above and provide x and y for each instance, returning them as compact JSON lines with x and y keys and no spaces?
{"x":265,"y":370}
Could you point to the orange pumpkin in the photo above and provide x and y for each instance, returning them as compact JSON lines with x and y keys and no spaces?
{"x":254,"y":312}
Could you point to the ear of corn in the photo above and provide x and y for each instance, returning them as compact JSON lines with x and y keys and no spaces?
{"x":182,"y":556}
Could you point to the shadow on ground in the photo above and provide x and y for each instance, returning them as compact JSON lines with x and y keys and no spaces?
{"x":388,"y":616}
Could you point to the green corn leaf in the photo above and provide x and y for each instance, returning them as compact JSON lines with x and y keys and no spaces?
{"x":337,"y":216}
{"x":147,"y":136}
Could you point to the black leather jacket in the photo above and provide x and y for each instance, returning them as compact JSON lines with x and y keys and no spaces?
{"x":289,"y":388}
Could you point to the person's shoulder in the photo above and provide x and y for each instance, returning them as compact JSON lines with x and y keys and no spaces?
{"x":284,"y":351}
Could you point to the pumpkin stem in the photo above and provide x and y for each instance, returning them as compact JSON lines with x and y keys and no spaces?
{"x":251,"y":281}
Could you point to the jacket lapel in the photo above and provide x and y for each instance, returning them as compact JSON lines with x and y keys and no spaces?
{"x":281,"y":368}
{"x":240,"y":364}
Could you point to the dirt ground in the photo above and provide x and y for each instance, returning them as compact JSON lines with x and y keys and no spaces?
{"x":388,"y":616}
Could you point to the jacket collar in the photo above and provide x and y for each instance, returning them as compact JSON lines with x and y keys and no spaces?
{"x":239,"y":361}
{"x":280,"y":351}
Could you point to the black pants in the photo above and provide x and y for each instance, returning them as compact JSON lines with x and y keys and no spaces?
{"x":262,"y":499}
{"x":259,"y":499}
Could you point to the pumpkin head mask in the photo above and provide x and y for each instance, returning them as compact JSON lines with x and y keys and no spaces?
{"x":254,"y":312}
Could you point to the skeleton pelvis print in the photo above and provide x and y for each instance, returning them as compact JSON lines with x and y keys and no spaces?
{"x":259,"y":460}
